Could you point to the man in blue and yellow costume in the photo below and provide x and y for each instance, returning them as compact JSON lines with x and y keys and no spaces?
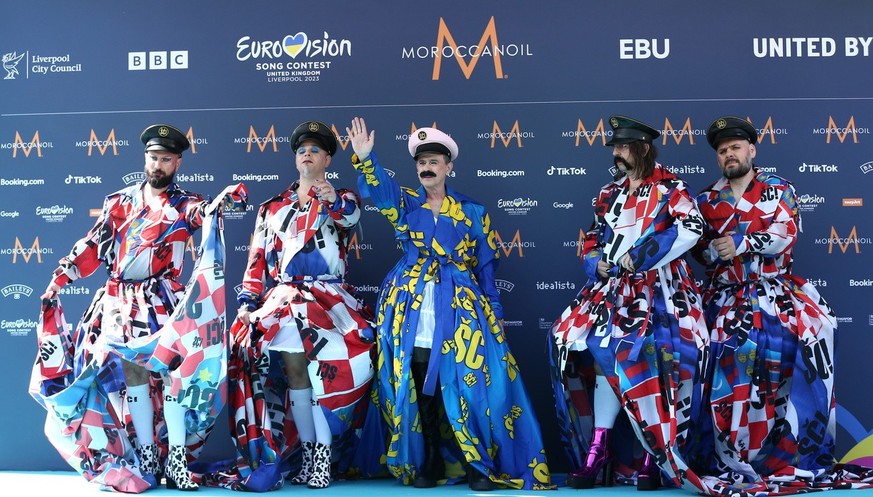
{"x":442,"y":352}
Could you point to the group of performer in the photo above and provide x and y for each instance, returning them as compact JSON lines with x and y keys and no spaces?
{"x":710,"y":389}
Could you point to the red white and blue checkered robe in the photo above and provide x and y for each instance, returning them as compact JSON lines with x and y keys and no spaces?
{"x":296,"y":277}
{"x":645,"y":330}
{"x":144,"y":314}
{"x":772,"y":399}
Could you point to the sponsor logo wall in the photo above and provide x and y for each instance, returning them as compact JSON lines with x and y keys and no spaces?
{"x":527,"y":98}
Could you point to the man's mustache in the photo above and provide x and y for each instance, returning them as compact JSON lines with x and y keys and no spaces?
{"x":427,"y":174}
{"x":620,"y":161}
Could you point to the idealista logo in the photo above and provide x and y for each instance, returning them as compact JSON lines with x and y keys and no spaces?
{"x":518,"y":206}
{"x":54,"y":214}
{"x":488,"y":46}
{"x":506,"y":137}
{"x":35,"y":144}
{"x":270,"y":56}
{"x":270,"y":139}
{"x":679,"y":134}
{"x":686,"y":169}
{"x":195,"y":177}
{"x":555,"y":285}
{"x":102,"y":144}
{"x":16,"y":290}
{"x":591,"y":136}
{"x":844,"y":243}
{"x":37,"y":65}
{"x":74,"y":290}
{"x":516,"y":243}
{"x":841,"y":132}
{"x":26,"y":253}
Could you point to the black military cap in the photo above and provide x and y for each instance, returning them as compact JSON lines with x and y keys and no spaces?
{"x":626,"y":130}
{"x":730,"y":127}
{"x":164,"y":137}
{"x":314,"y":130}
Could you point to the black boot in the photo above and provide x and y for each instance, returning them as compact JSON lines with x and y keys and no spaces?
{"x":479,"y":482}
{"x":433,"y":468}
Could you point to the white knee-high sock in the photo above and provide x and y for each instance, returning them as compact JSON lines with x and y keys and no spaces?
{"x":174,"y":416}
{"x":301,"y":411}
{"x":606,"y":403}
{"x":322,"y":429}
{"x":142,"y":413}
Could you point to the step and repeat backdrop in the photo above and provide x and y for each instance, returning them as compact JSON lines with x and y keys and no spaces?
{"x":525,"y":88}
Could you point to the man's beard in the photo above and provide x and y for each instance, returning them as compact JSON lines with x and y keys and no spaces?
{"x":160,"y":182}
{"x":741,"y":170}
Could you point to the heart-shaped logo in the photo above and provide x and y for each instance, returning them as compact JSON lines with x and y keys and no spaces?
{"x":293,"y":45}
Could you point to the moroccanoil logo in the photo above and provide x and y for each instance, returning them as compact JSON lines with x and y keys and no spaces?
{"x":102,"y":144}
{"x":341,"y":140}
{"x":27,"y":147}
{"x":194,"y":140}
{"x":412,"y":129}
{"x":768,"y":131}
{"x":262,"y":141}
{"x":679,"y":134}
{"x":841,"y":132}
{"x":844,"y":243}
{"x":355,"y":246}
{"x":516,"y":243}
{"x":579,"y":244}
{"x":487,"y":46}
{"x":506,"y":137}
{"x":590,"y":136}
{"x":26,"y":253}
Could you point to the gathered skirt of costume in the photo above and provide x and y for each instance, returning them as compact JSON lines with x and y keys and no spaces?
{"x":772,"y":399}
{"x":336,"y":331}
{"x":489,"y":422}
{"x":155,"y":323}
{"x":647,"y":334}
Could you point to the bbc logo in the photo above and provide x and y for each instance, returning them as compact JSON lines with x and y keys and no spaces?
{"x":140,"y":61}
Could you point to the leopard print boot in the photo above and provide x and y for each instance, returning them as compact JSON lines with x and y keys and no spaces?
{"x":150,"y":461}
{"x":320,"y":467}
{"x":305,"y":473}
{"x":177,"y":470}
